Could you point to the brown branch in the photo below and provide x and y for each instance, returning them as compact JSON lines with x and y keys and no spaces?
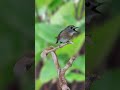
{"x":61,"y":72}
{"x":70,"y":62}
{"x":55,"y":59}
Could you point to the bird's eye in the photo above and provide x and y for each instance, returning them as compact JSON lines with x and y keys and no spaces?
{"x":71,"y":27}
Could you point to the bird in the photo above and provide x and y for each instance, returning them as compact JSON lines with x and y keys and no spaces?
{"x":67,"y":34}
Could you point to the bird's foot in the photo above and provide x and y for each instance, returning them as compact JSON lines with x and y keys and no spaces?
{"x":70,"y":42}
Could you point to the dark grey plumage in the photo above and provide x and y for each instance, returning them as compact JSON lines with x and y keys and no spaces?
{"x":66,"y":34}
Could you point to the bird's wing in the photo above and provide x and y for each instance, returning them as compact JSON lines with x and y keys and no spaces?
{"x":58,"y":37}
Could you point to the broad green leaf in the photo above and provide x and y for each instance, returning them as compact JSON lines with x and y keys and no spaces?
{"x":40,"y":44}
{"x":71,"y":49}
{"x":63,"y":59}
{"x":81,"y":8}
{"x":79,"y":64}
{"x":48,"y":71}
{"x":54,"y":5}
{"x":42,"y":3}
{"x":37,"y":84}
{"x":47,"y":32}
{"x":65,"y":10}
{"x":69,"y":20}
{"x":75,"y":77}
{"x":81,"y":24}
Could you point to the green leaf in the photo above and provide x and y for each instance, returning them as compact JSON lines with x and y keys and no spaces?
{"x":65,"y":10}
{"x":37,"y":84}
{"x":81,"y":8}
{"x":47,"y":32}
{"x":81,"y":24}
{"x":69,"y":20}
{"x":48,"y":71}
{"x":75,"y":77}
{"x":42,"y":3}
{"x":71,"y":49}
{"x":55,"y":4}
{"x":79,"y":64}
{"x":40,"y":44}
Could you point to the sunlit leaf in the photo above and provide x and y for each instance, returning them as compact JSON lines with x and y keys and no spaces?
{"x":40,"y":44}
{"x":79,"y":64}
{"x":42,"y":3}
{"x":71,"y":49}
{"x":48,"y":72}
{"x":47,"y":32}
{"x":37,"y":84}
{"x":65,"y":10}
{"x":81,"y":9}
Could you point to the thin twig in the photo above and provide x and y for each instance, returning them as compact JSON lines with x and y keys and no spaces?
{"x":54,"y":56}
{"x":69,"y":63}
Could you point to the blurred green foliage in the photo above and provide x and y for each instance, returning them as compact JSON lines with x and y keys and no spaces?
{"x":16,"y":39}
{"x":104,"y":39}
{"x":109,"y":81}
{"x":51,"y":17}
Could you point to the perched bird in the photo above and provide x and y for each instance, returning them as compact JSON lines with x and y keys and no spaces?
{"x":67,"y":34}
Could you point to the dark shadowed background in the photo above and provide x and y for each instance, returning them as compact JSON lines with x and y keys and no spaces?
{"x":103,"y":55}
{"x":17,"y":36}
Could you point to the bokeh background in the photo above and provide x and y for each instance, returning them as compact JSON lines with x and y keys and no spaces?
{"x":52,"y":16}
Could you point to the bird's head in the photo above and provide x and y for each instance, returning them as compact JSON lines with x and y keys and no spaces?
{"x":72,"y":29}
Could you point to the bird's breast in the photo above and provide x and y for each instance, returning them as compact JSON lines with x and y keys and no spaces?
{"x":64,"y":40}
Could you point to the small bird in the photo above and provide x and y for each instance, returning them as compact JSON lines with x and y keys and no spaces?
{"x":67,"y":34}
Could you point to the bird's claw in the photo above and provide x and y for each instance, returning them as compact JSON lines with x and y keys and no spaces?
{"x":70,"y":42}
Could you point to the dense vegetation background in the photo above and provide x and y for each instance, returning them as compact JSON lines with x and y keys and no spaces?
{"x":52,"y":16}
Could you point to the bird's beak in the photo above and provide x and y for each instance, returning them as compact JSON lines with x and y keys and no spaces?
{"x":76,"y":27}
{"x":75,"y":30}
